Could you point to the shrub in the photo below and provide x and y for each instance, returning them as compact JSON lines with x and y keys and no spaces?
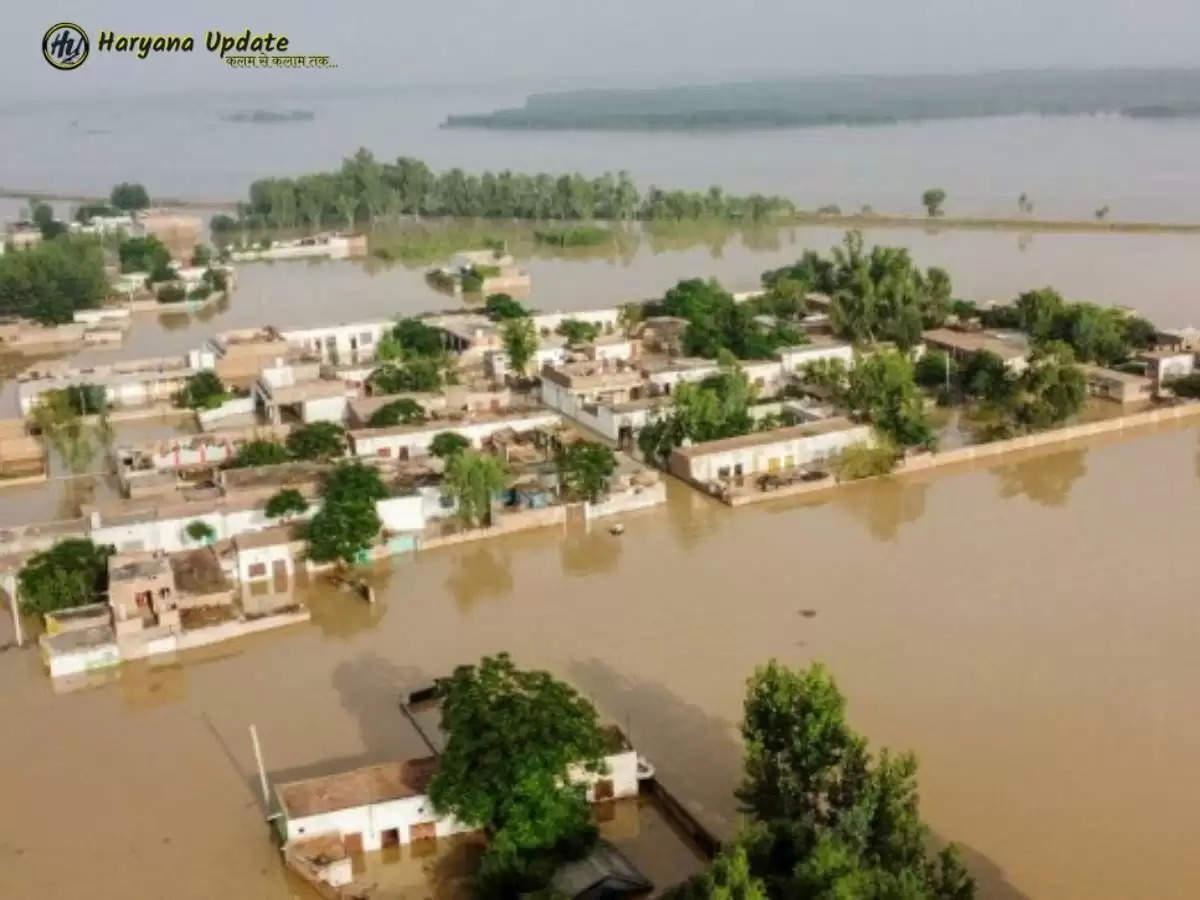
{"x":171,"y":293}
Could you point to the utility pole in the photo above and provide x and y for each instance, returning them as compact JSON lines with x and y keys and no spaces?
{"x":16,"y":615}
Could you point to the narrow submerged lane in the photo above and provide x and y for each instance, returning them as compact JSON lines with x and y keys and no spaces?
{"x":1029,"y":630}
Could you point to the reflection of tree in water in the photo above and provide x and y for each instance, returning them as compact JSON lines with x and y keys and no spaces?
{"x":1023,"y":241}
{"x":588,"y":553}
{"x":342,"y":613}
{"x":208,"y":312}
{"x":884,"y":505}
{"x":692,"y":515}
{"x":174,"y":321}
{"x":1046,"y":480}
{"x":479,"y":573}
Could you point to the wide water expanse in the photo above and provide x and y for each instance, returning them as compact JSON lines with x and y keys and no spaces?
{"x":180,"y":147}
{"x":1029,"y":630}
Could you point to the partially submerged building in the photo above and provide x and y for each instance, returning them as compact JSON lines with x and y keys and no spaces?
{"x":767,"y":452}
{"x":1120,"y":387}
{"x":1011,"y":346}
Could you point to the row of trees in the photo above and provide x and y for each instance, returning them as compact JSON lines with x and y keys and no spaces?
{"x":1101,"y":334}
{"x":826,"y":818}
{"x":367,"y":190}
{"x":878,"y":295}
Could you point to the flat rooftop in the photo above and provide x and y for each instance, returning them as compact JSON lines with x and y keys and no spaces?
{"x":1114,"y":375}
{"x":356,"y":788}
{"x":1005,"y":344}
{"x":760,"y":438}
{"x":123,"y":570}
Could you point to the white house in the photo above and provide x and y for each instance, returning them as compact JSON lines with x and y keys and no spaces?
{"x":265,"y":554}
{"x":407,"y":441}
{"x":300,"y":388}
{"x":767,"y":451}
{"x":794,"y":359}
{"x":352,"y":342}
{"x":386,"y":805}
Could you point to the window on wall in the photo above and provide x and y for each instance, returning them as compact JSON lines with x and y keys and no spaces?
{"x":257,"y":570}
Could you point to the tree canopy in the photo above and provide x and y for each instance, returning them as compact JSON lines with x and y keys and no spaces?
{"x":446,"y":444}
{"x":827,"y":819}
{"x":51,"y":280}
{"x":129,"y":196}
{"x":1100,"y":334}
{"x":585,"y":468}
{"x":203,"y":390}
{"x":882,"y":389}
{"x":347,"y":523}
{"x":401,"y":411}
{"x":933,"y":200}
{"x":717,"y":407}
{"x":286,"y":502}
{"x":499,"y":307}
{"x":473,"y":479}
{"x":200,"y":531}
{"x":143,"y":254}
{"x":366,"y":189}
{"x":716,"y":322}
{"x":512,"y":739}
{"x":317,"y":440}
{"x":422,"y":374}
{"x":520,"y":342}
{"x":73,"y":572}
{"x":577,"y":331}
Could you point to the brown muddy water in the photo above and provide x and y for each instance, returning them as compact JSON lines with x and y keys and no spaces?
{"x":1028,"y":629}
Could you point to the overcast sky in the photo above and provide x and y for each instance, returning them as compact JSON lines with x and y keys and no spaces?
{"x":643,"y":42}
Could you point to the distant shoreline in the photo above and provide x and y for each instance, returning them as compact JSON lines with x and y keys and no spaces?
{"x":850,"y":220}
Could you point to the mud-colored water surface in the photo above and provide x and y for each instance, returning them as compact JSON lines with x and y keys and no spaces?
{"x":1028,"y":629}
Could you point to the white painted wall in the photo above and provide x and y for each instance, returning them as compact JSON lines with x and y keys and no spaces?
{"x":371,"y":821}
{"x":402,"y":513}
{"x":265,"y":556}
{"x":605,"y":319}
{"x":802,"y":450}
{"x":796,"y":358}
{"x":365,"y":335}
{"x":324,"y":409}
{"x":367,"y":443}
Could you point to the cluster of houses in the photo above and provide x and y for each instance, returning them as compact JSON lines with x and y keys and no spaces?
{"x":180,"y":232}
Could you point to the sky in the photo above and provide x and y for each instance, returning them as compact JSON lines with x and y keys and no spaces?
{"x":564,"y":43}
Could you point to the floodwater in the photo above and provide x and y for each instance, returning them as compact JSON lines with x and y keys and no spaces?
{"x":1067,"y":166}
{"x":1028,"y":629}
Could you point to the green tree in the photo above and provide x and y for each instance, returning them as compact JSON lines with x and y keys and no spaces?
{"x":57,"y":416}
{"x":933,"y":369}
{"x":144,"y":254}
{"x":513,"y":737}
{"x":403,"y":411}
{"x":415,"y":338}
{"x":501,"y":307}
{"x":285,"y":503}
{"x":260,"y":452}
{"x":728,"y":877}
{"x":50,"y":281}
{"x":42,"y":215}
{"x":984,"y":376}
{"x":200,"y":531}
{"x":317,"y":441}
{"x":1040,"y":312}
{"x":1139,"y":333}
{"x":520,"y":342}
{"x":827,"y":819}
{"x":202,"y":255}
{"x":866,"y":461}
{"x":585,"y":468}
{"x":576,"y":331}
{"x":203,"y":390}
{"x":347,"y":523}
{"x":882,"y":389}
{"x":446,"y":444}
{"x":473,"y":479}
{"x":128,"y":196}
{"x":933,"y":200}
{"x":1094,"y":333}
{"x":422,"y":374}
{"x":629,"y":316}
{"x":73,"y":572}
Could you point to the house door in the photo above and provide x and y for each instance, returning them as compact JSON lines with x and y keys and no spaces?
{"x":604,"y":789}
{"x":389,"y":837}
{"x":353,"y":842}
{"x":279,"y":574}
{"x":422,"y":831}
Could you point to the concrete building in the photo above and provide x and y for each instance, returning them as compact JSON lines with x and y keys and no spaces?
{"x":794,"y":359}
{"x":239,"y":356}
{"x":409,"y":441}
{"x":298,"y":390}
{"x":767,"y":451}
{"x":1120,"y":387}
{"x":1011,"y":346}
{"x":1187,"y":338}
{"x":352,"y":342}
{"x":141,"y":593}
{"x":133,"y":383}
{"x":1164,"y":364}
{"x":267,"y":554}
{"x":332,"y":246}
{"x":386,"y":805}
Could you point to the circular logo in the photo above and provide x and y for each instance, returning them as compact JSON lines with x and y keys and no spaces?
{"x":65,"y":46}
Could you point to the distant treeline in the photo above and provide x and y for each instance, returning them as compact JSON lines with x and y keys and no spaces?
{"x":366,"y":190}
{"x":856,"y":100}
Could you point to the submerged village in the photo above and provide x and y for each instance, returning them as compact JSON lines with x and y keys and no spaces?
{"x":317,"y":452}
